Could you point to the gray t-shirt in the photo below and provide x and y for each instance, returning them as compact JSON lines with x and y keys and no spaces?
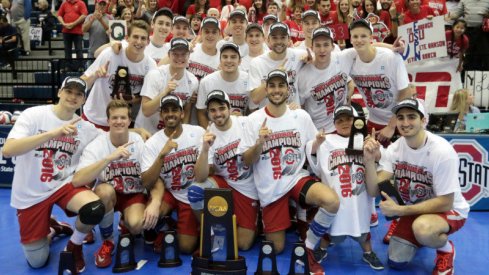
{"x":17,"y":10}
{"x":97,"y":36}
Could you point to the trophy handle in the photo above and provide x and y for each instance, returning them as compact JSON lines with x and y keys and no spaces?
{"x":201,"y":234}
{"x":235,"y":237}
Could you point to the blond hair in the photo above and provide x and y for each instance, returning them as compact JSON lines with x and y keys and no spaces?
{"x":459,"y":101}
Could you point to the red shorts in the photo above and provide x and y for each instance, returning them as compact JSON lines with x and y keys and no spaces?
{"x":105,"y":128}
{"x":379,"y":127}
{"x":276,"y":215}
{"x":404,"y":229}
{"x":187,"y":223}
{"x":34,"y":221}
{"x":245,"y":209}
{"x":126,"y":200}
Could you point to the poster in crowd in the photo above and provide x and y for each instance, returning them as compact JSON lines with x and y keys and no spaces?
{"x":478,"y":83}
{"x":425,"y":39}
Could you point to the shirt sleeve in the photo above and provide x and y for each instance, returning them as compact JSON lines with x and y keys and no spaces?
{"x":402,"y":75}
{"x":154,"y":83}
{"x":202,"y":94}
{"x":24,"y":126}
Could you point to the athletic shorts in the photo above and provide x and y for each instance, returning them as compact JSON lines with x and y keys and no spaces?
{"x":187,"y":223}
{"x":105,"y":128}
{"x":34,"y":221}
{"x":245,"y":209}
{"x":404,"y":229}
{"x":126,"y":200}
{"x":276,"y":215}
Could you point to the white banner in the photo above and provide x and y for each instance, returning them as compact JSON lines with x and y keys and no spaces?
{"x":425,"y":39}
{"x":35,"y":34}
{"x":478,"y":83}
{"x":436,"y":80}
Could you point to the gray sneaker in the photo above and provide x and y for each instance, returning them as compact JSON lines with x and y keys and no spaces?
{"x":320,"y":254}
{"x":373,"y":261}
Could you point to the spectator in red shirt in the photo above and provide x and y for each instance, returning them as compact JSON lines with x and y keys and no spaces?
{"x":273,"y":8}
{"x":327,"y":16}
{"x":414,"y":12}
{"x":200,"y":7}
{"x":344,"y":15}
{"x":71,"y":15}
{"x":175,"y":6}
{"x":295,"y":24}
{"x":439,"y":6}
{"x":457,"y":42}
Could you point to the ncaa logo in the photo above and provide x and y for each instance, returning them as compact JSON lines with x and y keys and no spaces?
{"x":473,"y":169}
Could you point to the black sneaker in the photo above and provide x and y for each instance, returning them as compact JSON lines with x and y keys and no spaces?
{"x":320,"y":254}
{"x":372,"y":260}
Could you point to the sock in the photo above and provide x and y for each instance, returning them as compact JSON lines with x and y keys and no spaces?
{"x":447,"y":248}
{"x":77,"y":237}
{"x":318,"y":227}
{"x":106,"y":226}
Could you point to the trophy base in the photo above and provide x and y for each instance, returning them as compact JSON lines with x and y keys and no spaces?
{"x":124,"y":268}
{"x":349,"y":151}
{"x":205,"y":266}
{"x":170,"y":263}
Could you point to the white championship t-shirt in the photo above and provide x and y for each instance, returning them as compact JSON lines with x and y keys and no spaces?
{"x":425,"y":173}
{"x":177,"y":172}
{"x":42,"y":171}
{"x":157,"y":53}
{"x":345,"y":174}
{"x":228,"y":164}
{"x":155,"y":83}
{"x":283,"y":154}
{"x":379,"y":82}
{"x":99,"y":97}
{"x":123,"y":174}
{"x":201,"y":64}
{"x":237,"y":91}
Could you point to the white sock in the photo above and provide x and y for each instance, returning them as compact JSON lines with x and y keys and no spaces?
{"x":106,"y":225}
{"x":301,"y":213}
{"x":447,"y":248}
{"x":77,"y":237}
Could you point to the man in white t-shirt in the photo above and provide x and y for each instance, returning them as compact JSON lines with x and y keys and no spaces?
{"x":113,"y":162}
{"x":324,"y":84}
{"x":279,"y":56}
{"x":47,"y":142}
{"x":161,"y":24}
{"x":310,"y":22}
{"x":204,"y":58}
{"x":100,"y":76}
{"x":220,"y":166}
{"x":228,"y":79}
{"x":255,"y":38}
{"x":174,"y":79}
{"x":424,"y":167}
{"x":275,"y":147}
{"x":236,"y":27}
{"x":381,"y":77}
{"x":169,"y":158}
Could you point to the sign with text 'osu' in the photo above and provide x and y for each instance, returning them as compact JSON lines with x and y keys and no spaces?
{"x":424,"y":39}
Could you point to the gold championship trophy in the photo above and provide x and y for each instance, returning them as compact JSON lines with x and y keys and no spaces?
{"x":122,"y":84}
{"x":357,"y":135}
{"x":218,"y":253}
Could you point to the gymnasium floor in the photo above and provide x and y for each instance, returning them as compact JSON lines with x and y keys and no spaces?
{"x":472,"y":250}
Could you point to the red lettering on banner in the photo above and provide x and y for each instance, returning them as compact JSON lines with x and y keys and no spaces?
{"x":421,"y":92}
{"x":433,"y":76}
{"x":442,"y":90}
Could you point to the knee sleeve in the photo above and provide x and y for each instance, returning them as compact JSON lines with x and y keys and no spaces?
{"x":92,"y":213}
{"x":401,"y":252}
{"x":196,"y":193}
{"x":37,"y":255}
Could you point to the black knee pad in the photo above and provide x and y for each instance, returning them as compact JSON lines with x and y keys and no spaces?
{"x":92,"y":213}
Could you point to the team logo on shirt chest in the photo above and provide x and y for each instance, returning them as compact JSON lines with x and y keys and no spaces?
{"x":330,"y":91}
{"x":180,"y":165}
{"x":226,"y":158}
{"x":282,"y":148}
{"x":350,"y":172}
{"x":375,"y":89}
{"x":414,"y":182}
{"x":200,"y":70}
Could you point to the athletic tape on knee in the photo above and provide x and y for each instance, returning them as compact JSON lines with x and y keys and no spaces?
{"x":196,"y":193}
{"x":37,"y":255}
{"x":401,"y":252}
{"x":92,"y":213}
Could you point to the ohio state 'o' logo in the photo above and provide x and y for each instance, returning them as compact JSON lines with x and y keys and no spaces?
{"x":473,"y":169}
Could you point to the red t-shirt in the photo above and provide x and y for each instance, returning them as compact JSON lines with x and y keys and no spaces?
{"x":439,"y":6}
{"x":457,"y":46}
{"x":70,"y":13}
{"x":329,"y":19}
{"x":424,"y":12}
{"x":175,"y":6}
{"x":296,"y":33}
